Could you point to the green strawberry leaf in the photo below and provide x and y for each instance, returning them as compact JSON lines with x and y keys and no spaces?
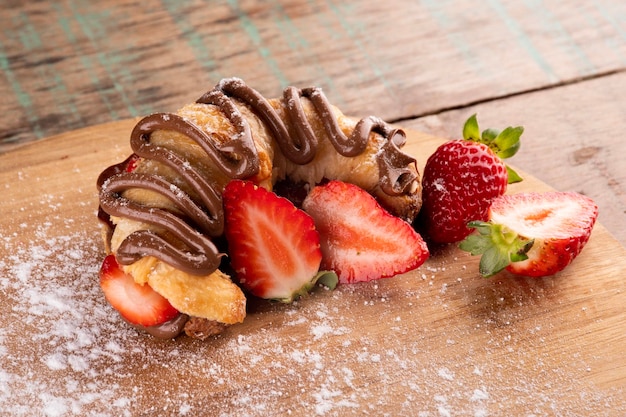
{"x":497,"y":245}
{"x":507,"y":143}
{"x":503,"y":143}
{"x":513,"y":176}
{"x":471,"y":130}
{"x":493,"y":261}
{"x":489,"y":135}
{"x":475,"y":244}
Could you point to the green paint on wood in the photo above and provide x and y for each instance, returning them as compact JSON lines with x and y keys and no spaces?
{"x":91,"y":25}
{"x":358,"y":35}
{"x":201,"y":51}
{"x":522,"y":38}
{"x":563,"y":39}
{"x":252,"y":31}
{"x":299,"y":44}
{"x":23,"y":98}
{"x":458,"y":40}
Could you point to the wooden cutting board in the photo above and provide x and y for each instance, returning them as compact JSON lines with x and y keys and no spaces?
{"x":439,"y":341}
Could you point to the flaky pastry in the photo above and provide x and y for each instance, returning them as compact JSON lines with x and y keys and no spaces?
{"x":162,"y":206}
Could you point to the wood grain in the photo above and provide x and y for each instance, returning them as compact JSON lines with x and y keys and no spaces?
{"x":70,"y":64}
{"x":436,"y":341}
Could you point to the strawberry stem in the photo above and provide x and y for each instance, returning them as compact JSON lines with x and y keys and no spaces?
{"x":513,"y":176}
{"x":471,"y":130}
{"x":498,"y":246}
{"x":504,"y":143}
{"x":328,"y":279}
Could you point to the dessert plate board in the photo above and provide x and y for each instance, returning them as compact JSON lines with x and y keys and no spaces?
{"x":438,"y":341}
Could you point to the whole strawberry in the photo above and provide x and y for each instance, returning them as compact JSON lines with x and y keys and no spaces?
{"x":462,"y":178}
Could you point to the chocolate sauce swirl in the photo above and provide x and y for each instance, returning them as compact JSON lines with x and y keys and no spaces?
{"x":185,"y":242}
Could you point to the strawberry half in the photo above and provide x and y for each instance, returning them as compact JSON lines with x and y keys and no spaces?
{"x":532,"y":234}
{"x":138,"y":304}
{"x":461,"y":179}
{"x":273,"y":246}
{"x":360,"y":240}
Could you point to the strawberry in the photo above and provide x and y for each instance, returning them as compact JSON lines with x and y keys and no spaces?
{"x":132,"y":162}
{"x":532,"y":234}
{"x":360,"y":240}
{"x":274,"y":247}
{"x":138,"y":304}
{"x":461,"y":179}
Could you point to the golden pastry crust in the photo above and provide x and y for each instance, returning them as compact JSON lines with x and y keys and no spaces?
{"x":362,"y":170}
{"x":213,"y":296}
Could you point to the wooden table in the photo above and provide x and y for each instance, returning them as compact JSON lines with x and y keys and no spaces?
{"x":557,"y":68}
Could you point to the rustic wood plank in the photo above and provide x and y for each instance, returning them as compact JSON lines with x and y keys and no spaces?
{"x":70,"y":64}
{"x":572,"y":139}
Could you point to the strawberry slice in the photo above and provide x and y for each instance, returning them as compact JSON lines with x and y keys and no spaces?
{"x":138,"y":304}
{"x":532,"y":234}
{"x":360,"y":240}
{"x":273,"y":246}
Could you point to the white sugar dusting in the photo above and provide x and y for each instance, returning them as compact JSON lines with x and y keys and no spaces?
{"x":65,"y":352}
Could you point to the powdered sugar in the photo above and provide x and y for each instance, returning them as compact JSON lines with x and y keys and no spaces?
{"x":395,"y":347}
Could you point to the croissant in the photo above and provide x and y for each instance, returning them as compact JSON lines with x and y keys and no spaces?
{"x":162,"y":210}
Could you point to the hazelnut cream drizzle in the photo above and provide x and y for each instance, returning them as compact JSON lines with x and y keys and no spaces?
{"x":238,"y":158}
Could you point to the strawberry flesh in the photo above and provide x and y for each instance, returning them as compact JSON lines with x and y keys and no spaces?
{"x":274,"y":246}
{"x":533,"y":234}
{"x":560,"y":224}
{"x":132,"y":163}
{"x":138,"y":304}
{"x":360,"y":240}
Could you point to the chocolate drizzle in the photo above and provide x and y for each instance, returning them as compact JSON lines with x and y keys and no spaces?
{"x":202,"y":217}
